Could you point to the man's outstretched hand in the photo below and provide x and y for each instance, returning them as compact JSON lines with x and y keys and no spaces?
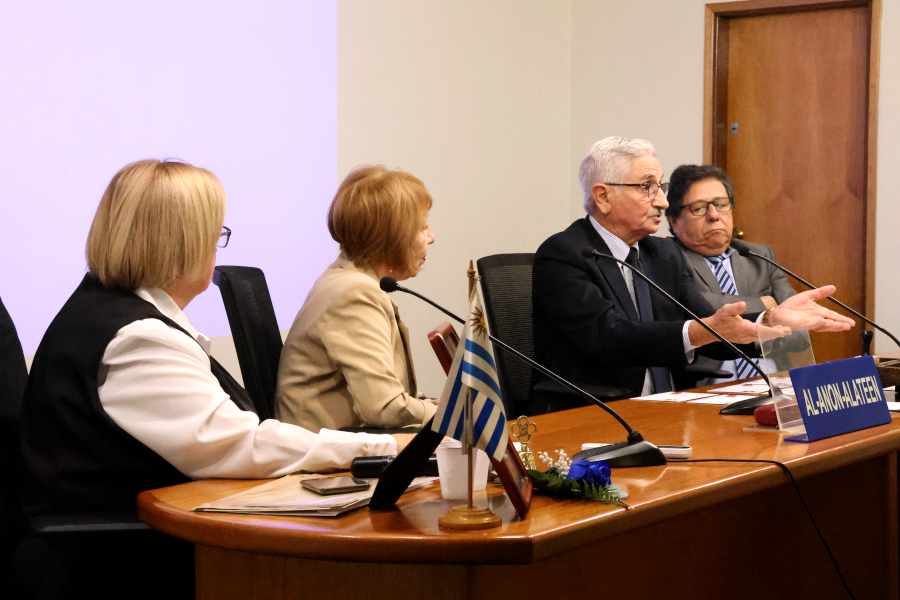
{"x":801,"y":312}
{"x":733,"y":327}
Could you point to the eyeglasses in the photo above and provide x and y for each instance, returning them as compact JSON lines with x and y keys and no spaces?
{"x":650,"y":188}
{"x":224,"y":237}
{"x":701,"y":207}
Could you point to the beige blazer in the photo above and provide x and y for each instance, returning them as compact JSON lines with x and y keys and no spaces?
{"x":345,"y":361}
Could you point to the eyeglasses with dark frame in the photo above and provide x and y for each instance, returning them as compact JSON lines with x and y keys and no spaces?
{"x":226,"y":234}
{"x":701,"y":207}
{"x":651,"y":188}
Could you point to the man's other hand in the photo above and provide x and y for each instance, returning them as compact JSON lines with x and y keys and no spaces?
{"x":802,"y":312}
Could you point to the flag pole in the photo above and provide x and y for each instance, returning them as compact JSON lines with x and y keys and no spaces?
{"x":470,"y":517}
{"x":470,"y":428}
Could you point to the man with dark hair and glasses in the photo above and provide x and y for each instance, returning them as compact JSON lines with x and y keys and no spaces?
{"x":597,"y":324}
{"x":701,"y":201}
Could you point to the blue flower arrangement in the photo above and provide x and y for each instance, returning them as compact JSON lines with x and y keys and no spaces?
{"x":585,"y":480}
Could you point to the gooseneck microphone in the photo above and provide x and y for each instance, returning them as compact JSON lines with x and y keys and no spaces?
{"x":745,"y":251}
{"x":635,"y":452}
{"x":373,"y":467}
{"x":741,"y":407}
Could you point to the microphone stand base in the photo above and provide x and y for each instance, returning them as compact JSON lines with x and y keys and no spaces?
{"x":617,"y":456}
{"x":746,"y":407}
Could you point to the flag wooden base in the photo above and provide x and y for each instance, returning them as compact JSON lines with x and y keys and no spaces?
{"x":470,"y":517}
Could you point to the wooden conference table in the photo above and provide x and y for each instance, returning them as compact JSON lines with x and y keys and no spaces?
{"x":709,"y":530}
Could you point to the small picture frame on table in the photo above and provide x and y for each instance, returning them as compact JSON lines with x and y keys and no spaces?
{"x":400,"y":473}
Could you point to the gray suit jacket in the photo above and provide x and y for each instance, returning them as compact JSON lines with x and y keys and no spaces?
{"x":753,"y":278}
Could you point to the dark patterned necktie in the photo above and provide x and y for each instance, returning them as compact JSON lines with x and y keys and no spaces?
{"x":658,"y":375}
{"x":726,"y":283}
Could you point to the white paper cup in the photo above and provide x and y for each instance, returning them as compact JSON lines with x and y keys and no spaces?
{"x":453,"y":468}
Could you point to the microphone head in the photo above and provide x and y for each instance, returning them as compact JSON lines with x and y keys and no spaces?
{"x":588,"y":251}
{"x":740,"y":247}
{"x":388,"y":284}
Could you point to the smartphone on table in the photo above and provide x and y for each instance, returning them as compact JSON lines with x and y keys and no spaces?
{"x":335,"y":485}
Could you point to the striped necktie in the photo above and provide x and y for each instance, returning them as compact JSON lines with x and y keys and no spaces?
{"x":726,"y":283}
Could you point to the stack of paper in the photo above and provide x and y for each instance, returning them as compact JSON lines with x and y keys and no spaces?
{"x":673,"y":396}
{"x":722,"y":399}
{"x":286,"y":497}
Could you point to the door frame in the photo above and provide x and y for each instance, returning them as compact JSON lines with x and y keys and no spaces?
{"x":715,"y":102}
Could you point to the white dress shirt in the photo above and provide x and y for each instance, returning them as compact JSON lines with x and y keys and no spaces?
{"x":156,"y":384}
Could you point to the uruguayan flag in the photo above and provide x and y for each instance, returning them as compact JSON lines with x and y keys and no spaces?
{"x":474,"y":372}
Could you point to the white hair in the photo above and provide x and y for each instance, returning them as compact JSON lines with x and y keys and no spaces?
{"x":609,"y":160}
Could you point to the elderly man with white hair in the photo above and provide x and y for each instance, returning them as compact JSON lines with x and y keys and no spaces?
{"x":597,"y":324}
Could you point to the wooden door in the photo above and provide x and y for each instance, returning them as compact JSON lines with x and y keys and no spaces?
{"x":792,"y":101}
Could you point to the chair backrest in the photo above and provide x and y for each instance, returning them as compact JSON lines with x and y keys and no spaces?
{"x":506,"y":286}
{"x":254,"y":327}
{"x":13,"y":374}
{"x":444,"y":341}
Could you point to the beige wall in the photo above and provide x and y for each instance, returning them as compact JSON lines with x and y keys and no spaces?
{"x":473,"y":98}
{"x":637,"y":71}
{"x":609,"y":64}
{"x":493,"y":103}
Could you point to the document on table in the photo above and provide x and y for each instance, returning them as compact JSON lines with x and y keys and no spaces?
{"x":722,"y":399}
{"x":674,"y":396}
{"x":756,"y":386}
{"x":286,"y":497}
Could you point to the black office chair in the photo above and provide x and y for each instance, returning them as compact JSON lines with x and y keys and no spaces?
{"x":444,"y":340}
{"x":506,"y":287}
{"x":13,"y":374}
{"x":255,"y":331}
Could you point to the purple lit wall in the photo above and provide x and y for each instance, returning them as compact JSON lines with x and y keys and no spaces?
{"x":245,"y":89}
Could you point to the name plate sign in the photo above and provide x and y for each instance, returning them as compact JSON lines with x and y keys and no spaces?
{"x":839,"y":397}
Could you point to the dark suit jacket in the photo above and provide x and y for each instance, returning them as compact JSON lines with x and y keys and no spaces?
{"x":586,"y":327}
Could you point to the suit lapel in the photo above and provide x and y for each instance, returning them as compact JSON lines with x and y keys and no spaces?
{"x":702,"y":268}
{"x":404,"y":338}
{"x":744,"y":277}
{"x":611,"y":272}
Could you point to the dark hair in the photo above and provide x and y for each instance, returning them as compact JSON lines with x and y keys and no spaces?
{"x":687,"y":175}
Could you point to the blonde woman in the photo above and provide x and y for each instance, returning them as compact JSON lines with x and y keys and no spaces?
{"x":122,"y":395}
{"x":346,"y":361}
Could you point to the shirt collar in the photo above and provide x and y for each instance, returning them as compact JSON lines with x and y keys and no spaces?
{"x":618,"y":248}
{"x":164,"y":304}
{"x":722,"y":256}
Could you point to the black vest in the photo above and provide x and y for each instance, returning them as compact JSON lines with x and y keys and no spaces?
{"x":76,"y":458}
